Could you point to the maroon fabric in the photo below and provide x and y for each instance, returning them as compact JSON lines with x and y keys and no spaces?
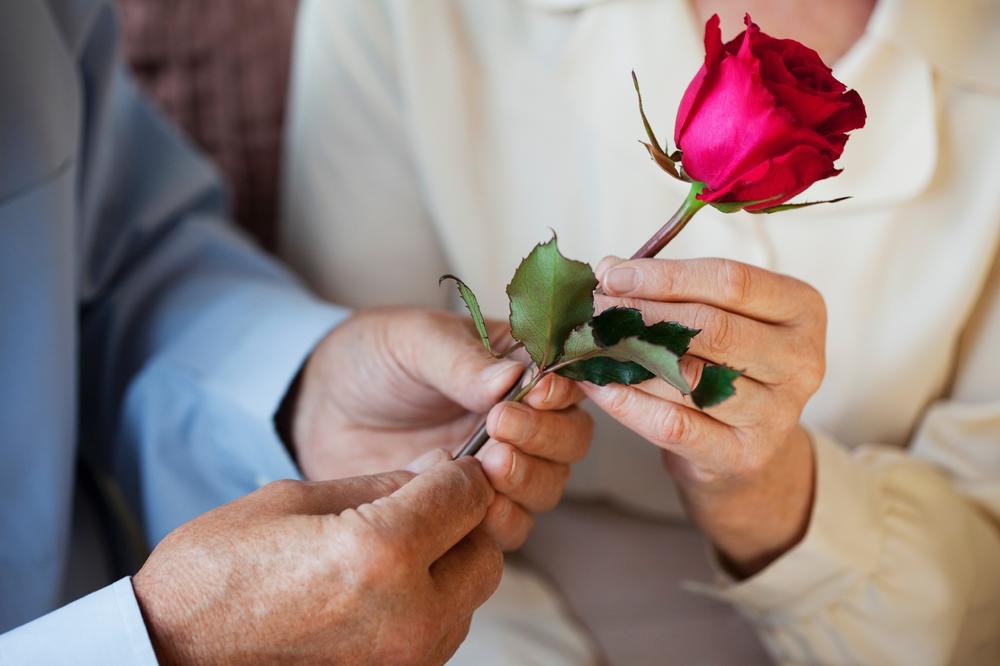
{"x":219,"y":68}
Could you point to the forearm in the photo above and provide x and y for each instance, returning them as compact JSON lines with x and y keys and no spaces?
{"x":895,"y":567}
{"x":752,"y":521}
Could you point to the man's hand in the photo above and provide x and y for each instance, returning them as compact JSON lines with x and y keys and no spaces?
{"x":390,"y":384}
{"x":745,"y":466}
{"x":383,"y":569}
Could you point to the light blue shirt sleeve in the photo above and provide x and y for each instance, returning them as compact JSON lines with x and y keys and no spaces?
{"x":142,"y":333}
{"x":190,"y":335}
{"x":104,"y":628}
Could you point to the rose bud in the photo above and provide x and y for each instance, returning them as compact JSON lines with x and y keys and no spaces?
{"x":763,"y":119}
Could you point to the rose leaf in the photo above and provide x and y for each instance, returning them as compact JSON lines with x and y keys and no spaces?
{"x":473,"y":306}
{"x":716,"y":385}
{"x":602,"y":371}
{"x":628,"y":361}
{"x":550,"y":295}
{"x":618,"y":322}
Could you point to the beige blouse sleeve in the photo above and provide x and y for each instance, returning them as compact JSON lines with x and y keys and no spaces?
{"x":901,"y":562}
{"x":351,"y":197}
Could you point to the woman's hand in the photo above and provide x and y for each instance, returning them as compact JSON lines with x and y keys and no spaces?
{"x":745,"y":466}
{"x":391,"y":384}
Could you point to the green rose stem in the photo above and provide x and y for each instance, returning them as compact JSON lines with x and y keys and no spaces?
{"x":532,"y":375}
{"x":692,"y":204}
{"x":515,"y":394}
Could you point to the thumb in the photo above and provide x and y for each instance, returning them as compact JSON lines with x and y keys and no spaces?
{"x":428,"y":460}
{"x":605,"y":265}
{"x":326,"y":497}
{"x":454,"y":363}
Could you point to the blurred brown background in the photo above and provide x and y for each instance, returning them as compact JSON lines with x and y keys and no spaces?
{"x":219,"y":69}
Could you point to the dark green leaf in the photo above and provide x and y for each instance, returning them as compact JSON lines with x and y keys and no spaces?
{"x":715,"y":386}
{"x":659,"y":360}
{"x":473,"y":305}
{"x":550,"y":295}
{"x":602,"y":371}
{"x":616,"y":323}
{"x":629,"y":352}
{"x":793,"y":206}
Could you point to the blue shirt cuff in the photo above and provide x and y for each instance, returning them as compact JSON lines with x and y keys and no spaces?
{"x":102,"y":628}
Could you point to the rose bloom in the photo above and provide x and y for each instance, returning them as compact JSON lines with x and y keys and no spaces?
{"x":763,"y":119}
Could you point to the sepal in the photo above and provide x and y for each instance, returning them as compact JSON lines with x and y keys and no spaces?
{"x":793,"y":206}
{"x":666,"y":162}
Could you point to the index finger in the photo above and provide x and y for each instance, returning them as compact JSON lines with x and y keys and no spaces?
{"x":437,"y":508}
{"x":726,"y":284}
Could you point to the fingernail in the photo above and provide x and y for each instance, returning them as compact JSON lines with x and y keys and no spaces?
{"x":427,"y":460}
{"x":499,"y":459}
{"x":621,"y":280}
{"x":515,"y":425}
{"x":606,"y":264}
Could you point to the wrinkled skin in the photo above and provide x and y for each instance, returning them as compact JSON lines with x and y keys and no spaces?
{"x":390,"y":384}
{"x":326,"y":572}
{"x":745,"y":466}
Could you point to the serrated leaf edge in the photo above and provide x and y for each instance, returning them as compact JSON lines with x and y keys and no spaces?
{"x":472,"y":305}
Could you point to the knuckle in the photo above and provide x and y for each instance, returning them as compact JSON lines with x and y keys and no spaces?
{"x":387,"y":483}
{"x":381,"y":558}
{"x":586,"y":421}
{"x":507,"y":524}
{"x":560,"y":476}
{"x":284,"y":490}
{"x":468,"y":480}
{"x":492,"y":569}
{"x":283,"y":486}
{"x":735,"y":282}
{"x":620,"y":402}
{"x":664,"y":275}
{"x":717,"y":327}
{"x":673,"y":425}
{"x":809,"y":367}
{"x":815,"y":372}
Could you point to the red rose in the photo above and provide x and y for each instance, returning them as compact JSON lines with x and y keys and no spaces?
{"x":763,"y":118}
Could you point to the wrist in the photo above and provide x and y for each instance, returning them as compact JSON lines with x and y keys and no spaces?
{"x":152,"y":604}
{"x":753,"y":520}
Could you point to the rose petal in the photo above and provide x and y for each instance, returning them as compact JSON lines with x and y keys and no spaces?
{"x":736,"y":125}
{"x":713,"y":51}
{"x":810,"y":109}
{"x":849,"y":117}
{"x":746,"y":49}
{"x":787,"y":175}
